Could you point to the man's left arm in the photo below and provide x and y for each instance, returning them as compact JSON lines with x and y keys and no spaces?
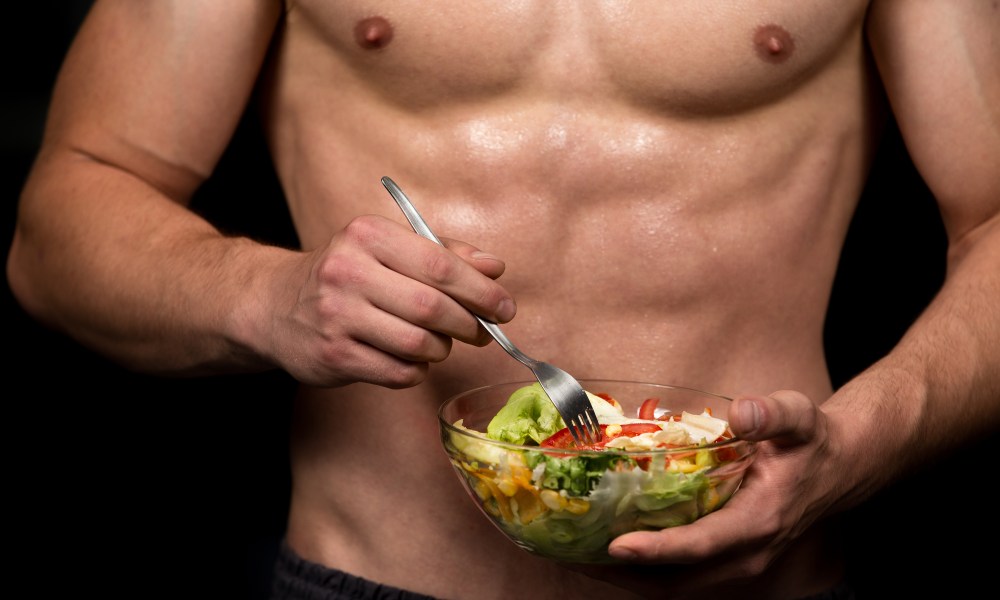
{"x":940,"y":64}
{"x":939,"y":388}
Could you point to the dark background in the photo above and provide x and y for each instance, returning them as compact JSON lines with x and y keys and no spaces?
{"x":132,"y":486}
{"x":125,"y":485}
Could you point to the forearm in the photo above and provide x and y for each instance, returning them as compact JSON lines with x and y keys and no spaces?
{"x":134,"y":275}
{"x":939,"y":388}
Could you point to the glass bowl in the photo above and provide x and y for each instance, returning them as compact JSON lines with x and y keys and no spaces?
{"x":567,"y":504}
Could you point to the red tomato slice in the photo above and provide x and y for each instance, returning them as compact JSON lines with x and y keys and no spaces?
{"x":564,"y":439}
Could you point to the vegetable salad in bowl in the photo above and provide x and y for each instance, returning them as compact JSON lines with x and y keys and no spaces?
{"x":667,"y":457}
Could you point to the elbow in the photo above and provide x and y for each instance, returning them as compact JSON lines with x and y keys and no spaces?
{"x":33,"y":288}
{"x":23,"y":287}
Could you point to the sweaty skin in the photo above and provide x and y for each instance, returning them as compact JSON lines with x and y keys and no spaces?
{"x":662,"y":188}
{"x":556,"y":147}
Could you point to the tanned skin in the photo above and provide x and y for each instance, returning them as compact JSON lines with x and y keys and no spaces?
{"x":650,"y":190}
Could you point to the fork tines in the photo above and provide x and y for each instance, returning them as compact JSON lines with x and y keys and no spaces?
{"x":587,"y":430}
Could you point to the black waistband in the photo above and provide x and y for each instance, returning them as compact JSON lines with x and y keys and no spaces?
{"x":298,"y":579}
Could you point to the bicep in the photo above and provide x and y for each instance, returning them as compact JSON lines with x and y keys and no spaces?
{"x":940,"y":64}
{"x":156,"y":89}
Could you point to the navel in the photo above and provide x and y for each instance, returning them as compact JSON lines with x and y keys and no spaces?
{"x":773,"y":43}
{"x":373,"y":33}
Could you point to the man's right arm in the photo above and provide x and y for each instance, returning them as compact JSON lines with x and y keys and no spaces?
{"x":107,"y":251}
{"x":144,"y":105}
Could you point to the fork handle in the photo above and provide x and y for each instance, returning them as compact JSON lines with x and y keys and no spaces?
{"x":501,"y":338}
{"x":409,"y":211}
{"x":420,"y":226}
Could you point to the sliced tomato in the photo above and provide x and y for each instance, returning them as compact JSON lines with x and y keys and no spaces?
{"x":564,"y":439}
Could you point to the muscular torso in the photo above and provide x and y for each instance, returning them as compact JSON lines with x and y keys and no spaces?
{"x":668,"y":183}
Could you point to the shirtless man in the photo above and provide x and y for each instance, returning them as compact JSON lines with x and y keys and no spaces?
{"x":684,"y":172}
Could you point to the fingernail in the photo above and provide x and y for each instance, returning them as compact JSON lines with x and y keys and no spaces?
{"x":750,"y":415}
{"x":484,"y":256}
{"x":506,"y":310}
{"x":622,"y":553}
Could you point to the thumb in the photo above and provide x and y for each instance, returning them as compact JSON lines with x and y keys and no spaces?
{"x":785,"y":416}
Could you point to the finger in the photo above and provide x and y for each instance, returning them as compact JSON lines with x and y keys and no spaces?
{"x":785,"y":417}
{"x":391,"y":311}
{"x":428,"y":309}
{"x":368,"y":364}
{"x":435,"y":265}
{"x":728,"y":529}
{"x":342,"y":351}
{"x":484,"y":262}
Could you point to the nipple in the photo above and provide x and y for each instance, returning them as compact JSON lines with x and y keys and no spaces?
{"x":773,"y":43}
{"x":373,"y":33}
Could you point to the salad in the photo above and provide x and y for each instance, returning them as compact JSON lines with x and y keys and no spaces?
{"x":651,"y":470}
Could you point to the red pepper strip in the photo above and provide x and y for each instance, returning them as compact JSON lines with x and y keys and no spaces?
{"x":564,"y":439}
{"x":647,"y":411}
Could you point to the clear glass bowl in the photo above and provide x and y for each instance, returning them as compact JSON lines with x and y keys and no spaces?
{"x":567,"y":505}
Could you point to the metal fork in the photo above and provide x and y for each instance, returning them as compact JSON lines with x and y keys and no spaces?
{"x":563,"y":390}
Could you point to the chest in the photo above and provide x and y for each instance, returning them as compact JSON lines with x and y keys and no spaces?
{"x":689,"y":55}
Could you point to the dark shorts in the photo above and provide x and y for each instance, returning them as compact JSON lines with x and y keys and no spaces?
{"x":298,"y":579}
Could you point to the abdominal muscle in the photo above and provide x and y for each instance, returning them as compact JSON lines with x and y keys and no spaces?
{"x":680,"y":278}
{"x":641,"y":243}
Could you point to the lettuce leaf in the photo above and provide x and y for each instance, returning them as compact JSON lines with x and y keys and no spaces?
{"x":528,"y":414}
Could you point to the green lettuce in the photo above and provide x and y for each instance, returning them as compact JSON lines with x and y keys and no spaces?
{"x":622,"y":501}
{"x":528,"y":414}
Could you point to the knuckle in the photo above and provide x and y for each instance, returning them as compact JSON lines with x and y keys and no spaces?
{"x":345,"y":362}
{"x":362,"y":229}
{"x":401,"y":376}
{"x":412,"y":343}
{"x":754,"y":567}
{"x":439,"y":267}
{"x":427,"y":305}
{"x":422,"y":345}
{"x":336,"y":356}
{"x":490,"y":296}
{"x":341,"y":273}
{"x":804,"y":412}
